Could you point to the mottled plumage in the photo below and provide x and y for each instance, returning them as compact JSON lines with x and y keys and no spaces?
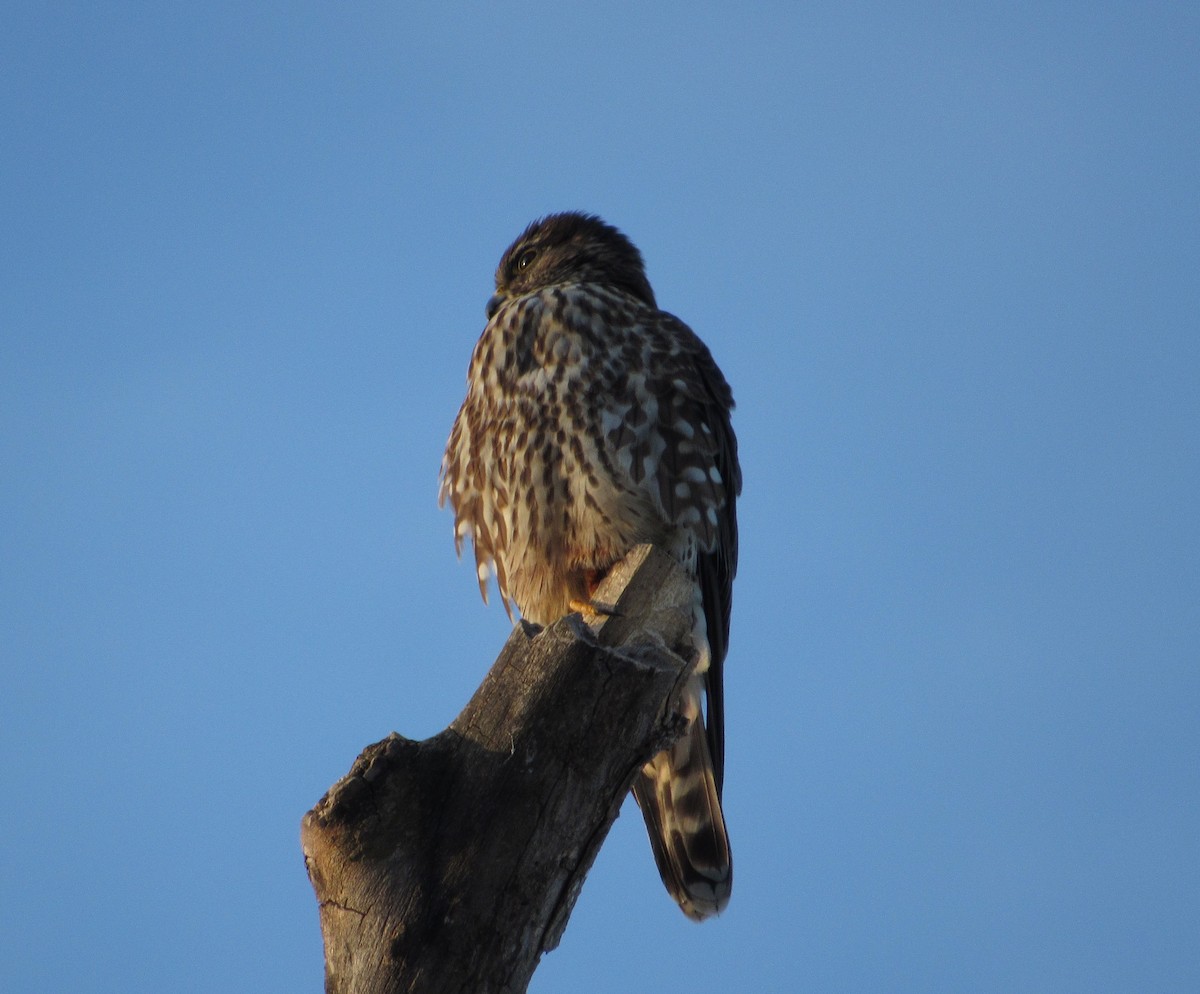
{"x":593,"y":422}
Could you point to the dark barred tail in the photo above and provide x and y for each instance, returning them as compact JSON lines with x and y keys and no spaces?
{"x":677,"y":792}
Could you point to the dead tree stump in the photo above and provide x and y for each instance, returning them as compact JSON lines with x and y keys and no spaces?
{"x":452,"y":864}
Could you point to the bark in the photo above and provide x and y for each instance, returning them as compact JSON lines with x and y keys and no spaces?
{"x":453,"y":863}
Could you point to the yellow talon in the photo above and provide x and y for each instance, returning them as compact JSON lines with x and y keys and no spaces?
{"x":593,"y":609}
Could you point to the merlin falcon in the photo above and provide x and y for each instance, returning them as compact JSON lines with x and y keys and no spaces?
{"x":594,"y":422}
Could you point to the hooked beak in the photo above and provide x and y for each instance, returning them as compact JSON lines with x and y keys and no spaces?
{"x":493,"y":304}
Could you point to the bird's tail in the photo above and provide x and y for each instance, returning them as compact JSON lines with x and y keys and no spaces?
{"x":677,"y":792}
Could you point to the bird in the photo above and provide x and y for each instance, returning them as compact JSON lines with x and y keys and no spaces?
{"x":594,"y":422}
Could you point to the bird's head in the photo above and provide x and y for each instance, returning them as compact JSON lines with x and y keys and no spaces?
{"x":570,"y":248}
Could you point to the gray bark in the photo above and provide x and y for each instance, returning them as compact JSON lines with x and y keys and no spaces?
{"x":452,"y":864}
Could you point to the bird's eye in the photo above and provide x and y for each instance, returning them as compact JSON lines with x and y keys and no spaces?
{"x":525,"y":258}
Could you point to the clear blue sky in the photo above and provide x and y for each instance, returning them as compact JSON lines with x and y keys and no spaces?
{"x":947,"y":255}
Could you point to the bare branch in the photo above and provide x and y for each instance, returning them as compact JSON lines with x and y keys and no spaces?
{"x":452,"y":864}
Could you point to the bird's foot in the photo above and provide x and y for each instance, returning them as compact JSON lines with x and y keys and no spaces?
{"x":593,"y":609}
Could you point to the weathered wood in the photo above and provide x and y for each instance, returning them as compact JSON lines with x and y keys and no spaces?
{"x":452,"y":864}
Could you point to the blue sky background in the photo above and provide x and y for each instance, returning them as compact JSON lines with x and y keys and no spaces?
{"x":948,"y":255}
